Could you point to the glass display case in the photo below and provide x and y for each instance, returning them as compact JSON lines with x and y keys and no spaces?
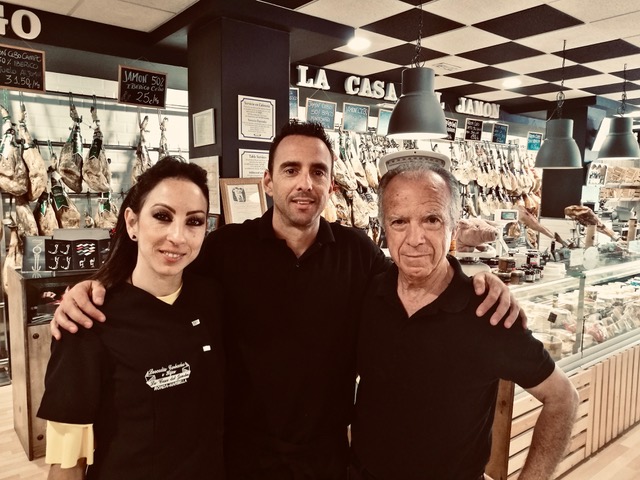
{"x":585,"y":313}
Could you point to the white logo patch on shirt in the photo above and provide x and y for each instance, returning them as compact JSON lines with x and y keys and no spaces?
{"x":170,"y":376}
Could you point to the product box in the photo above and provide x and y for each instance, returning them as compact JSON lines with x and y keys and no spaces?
{"x":33,"y":259}
{"x":77,"y":249}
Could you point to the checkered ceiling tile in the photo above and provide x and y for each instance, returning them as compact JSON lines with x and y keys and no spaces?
{"x":473,"y":46}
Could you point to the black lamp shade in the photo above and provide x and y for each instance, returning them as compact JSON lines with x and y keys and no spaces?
{"x":418,"y":114}
{"x":559,"y":149}
{"x":620,"y":143}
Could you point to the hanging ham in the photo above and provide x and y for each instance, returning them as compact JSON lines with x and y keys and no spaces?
{"x":142,"y":161}
{"x":45,"y":215}
{"x":96,"y":172}
{"x":66,"y":212}
{"x":27,"y":225}
{"x":70,"y":162}
{"x":13,"y":172}
{"x":33,"y":160}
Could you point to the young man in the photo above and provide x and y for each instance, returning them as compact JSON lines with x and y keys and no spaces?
{"x":293,"y":286}
{"x":429,"y":369}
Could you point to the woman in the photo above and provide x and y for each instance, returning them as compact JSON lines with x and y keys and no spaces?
{"x":148,"y":381}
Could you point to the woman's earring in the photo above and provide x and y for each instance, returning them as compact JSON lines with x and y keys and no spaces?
{"x":134,"y":238}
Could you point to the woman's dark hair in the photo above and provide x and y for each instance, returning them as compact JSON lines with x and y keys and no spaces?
{"x":306,"y":129}
{"x":124,"y":251}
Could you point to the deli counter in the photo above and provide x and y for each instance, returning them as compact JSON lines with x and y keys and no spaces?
{"x":589,"y":321}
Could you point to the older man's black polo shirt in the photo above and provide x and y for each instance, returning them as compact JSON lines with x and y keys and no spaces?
{"x":290,"y":331}
{"x":428,"y":383}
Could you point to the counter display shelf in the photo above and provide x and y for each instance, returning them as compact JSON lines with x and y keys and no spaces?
{"x":585,"y":313}
{"x":32,"y":299}
{"x":595,"y":335}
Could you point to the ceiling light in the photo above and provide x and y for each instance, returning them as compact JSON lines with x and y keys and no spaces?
{"x":559,"y":149}
{"x":620,"y":144}
{"x":359,"y":44}
{"x":512,"y":82}
{"x":417,"y":114}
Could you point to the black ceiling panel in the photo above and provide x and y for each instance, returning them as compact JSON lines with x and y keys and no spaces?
{"x":505,"y":52}
{"x":482,"y":74}
{"x":405,"y":25}
{"x":537,"y":89}
{"x":327,"y":58}
{"x":612,"y":88}
{"x":633,"y":74}
{"x":557,"y":74}
{"x":601,"y":51}
{"x":292,"y":4}
{"x":527,"y":23}
{"x":466,"y":90}
{"x":404,"y":54}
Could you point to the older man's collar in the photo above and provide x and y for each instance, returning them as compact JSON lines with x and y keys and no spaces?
{"x":454,"y":299}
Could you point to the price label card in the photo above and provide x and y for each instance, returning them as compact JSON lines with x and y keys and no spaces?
{"x":473,"y":129}
{"x":143,"y":88}
{"x":21,"y":69}
{"x":576,"y":257}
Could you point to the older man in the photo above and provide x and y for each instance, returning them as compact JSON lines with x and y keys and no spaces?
{"x":429,"y":368}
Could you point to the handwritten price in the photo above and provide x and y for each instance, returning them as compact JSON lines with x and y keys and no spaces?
{"x":147,"y":98}
{"x":16,"y":81}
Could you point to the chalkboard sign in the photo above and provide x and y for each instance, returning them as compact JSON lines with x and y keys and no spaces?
{"x":293,"y":102}
{"x":499,"y":133}
{"x":355,"y":118}
{"x":534,"y":140}
{"x":473,"y":129}
{"x":141,"y":87}
{"x":21,"y":69}
{"x":322,"y":112}
{"x":383,"y":121}
{"x":452,"y":125}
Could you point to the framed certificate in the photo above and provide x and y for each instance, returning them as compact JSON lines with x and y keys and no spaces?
{"x":242,"y":199}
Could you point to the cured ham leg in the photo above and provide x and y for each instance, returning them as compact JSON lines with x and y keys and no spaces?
{"x":33,"y":160}
{"x":14,"y":178}
{"x":585,"y":216}
{"x":532,"y":223}
{"x":70,"y":163}
{"x":142,"y":161}
{"x":96,"y":170}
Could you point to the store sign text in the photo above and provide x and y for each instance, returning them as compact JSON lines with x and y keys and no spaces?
{"x":477,"y":108}
{"x":353,"y":85}
{"x":17,"y":21}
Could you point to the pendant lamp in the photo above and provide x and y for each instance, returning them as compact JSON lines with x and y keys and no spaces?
{"x":620,"y":143}
{"x":418,"y":114}
{"x":559,"y":149}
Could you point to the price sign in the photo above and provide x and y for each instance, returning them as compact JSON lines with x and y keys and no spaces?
{"x":21,"y":69}
{"x":499,"y":134}
{"x":293,"y":102}
{"x":355,"y":117}
{"x":452,"y":125}
{"x":141,"y":87}
{"x":473,"y":129}
{"x":322,"y":112}
{"x":534,"y":140}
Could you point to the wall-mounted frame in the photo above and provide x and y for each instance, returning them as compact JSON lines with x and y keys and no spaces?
{"x":242,"y":199}
{"x":213,"y":222}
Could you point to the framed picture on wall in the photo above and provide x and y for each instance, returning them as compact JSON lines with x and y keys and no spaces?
{"x":242,"y":199}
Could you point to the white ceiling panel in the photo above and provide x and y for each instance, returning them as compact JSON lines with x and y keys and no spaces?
{"x":362,"y":66}
{"x":471,"y":11}
{"x":355,"y":13}
{"x":462,"y":40}
{"x":378,"y":42}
